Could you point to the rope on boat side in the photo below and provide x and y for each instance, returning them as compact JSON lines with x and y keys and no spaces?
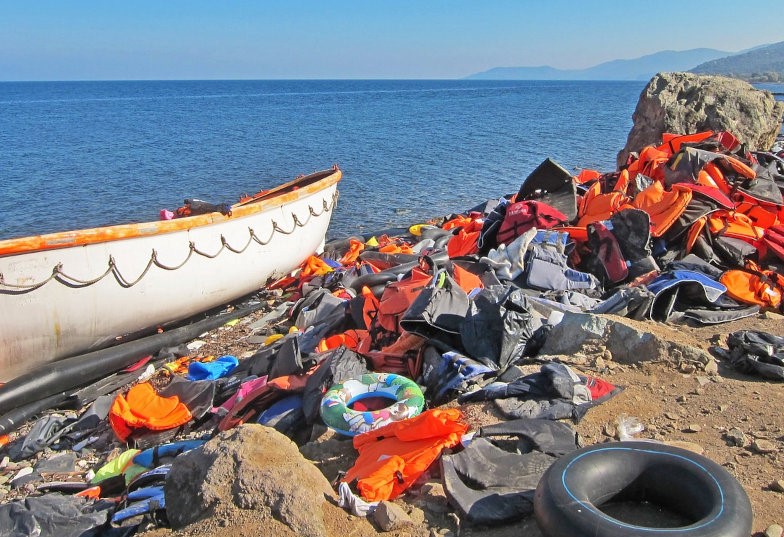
{"x":71,"y":281}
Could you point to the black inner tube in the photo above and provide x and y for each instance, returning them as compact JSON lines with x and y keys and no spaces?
{"x":579,"y":493}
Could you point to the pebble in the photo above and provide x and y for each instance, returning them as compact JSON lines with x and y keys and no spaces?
{"x":671,"y":416}
{"x":777,"y":485}
{"x":23,"y":472}
{"x":417,"y":515}
{"x":736,"y":437}
{"x":763,"y":446}
{"x":774,"y":530}
{"x":4,"y":462}
{"x":693,"y":428}
{"x":687,"y":368}
{"x":681,"y":399}
{"x":722,"y":408}
{"x":711,"y":368}
{"x":390,"y":516}
{"x":702,"y":381}
{"x":196,"y":344}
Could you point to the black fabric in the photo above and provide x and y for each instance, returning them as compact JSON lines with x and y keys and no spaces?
{"x":551,"y":437}
{"x":684,"y":166}
{"x":502,"y":484}
{"x":336,"y":366}
{"x":697,"y":264}
{"x":515,"y":408}
{"x":260,"y":363}
{"x":555,"y":392}
{"x":103,"y":387}
{"x":765,"y":186}
{"x":551,"y":183}
{"x":438,"y":310}
{"x":499,"y":325}
{"x":492,"y":222}
{"x":52,"y":515}
{"x":717,"y":315}
{"x":553,"y":381}
{"x":318,"y":307}
{"x":44,"y":433}
{"x":757,"y":352}
{"x":632,"y":230}
{"x":196,"y":395}
{"x":449,"y":374}
{"x":631,"y":302}
{"x":288,"y":360}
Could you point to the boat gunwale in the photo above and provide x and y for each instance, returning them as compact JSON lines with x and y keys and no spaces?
{"x":278,"y":196}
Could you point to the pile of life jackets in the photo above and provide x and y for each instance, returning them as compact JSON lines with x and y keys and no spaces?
{"x":691,"y":229}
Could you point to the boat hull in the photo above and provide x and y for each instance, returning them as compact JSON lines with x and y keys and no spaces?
{"x":64,"y":299}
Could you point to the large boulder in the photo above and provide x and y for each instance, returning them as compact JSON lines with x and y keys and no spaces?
{"x":628,"y":341}
{"x":254,"y":468}
{"x":685,"y":103}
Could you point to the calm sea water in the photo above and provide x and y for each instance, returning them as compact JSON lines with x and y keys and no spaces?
{"x":84,"y":154}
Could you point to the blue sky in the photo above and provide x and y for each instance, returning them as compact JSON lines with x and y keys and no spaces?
{"x":272,"y":39}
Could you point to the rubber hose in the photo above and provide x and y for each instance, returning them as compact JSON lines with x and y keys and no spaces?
{"x":77,"y":371}
{"x":17,"y":417}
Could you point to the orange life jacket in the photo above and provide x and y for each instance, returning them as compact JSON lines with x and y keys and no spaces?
{"x":349,"y":339}
{"x":664,"y":207}
{"x":142,"y":407}
{"x":735,"y":225}
{"x":672,"y":142}
{"x":355,"y":248}
{"x":649,"y":164}
{"x":464,"y":243}
{"x":595,"y":206}
{"x":754,"y":286}
{"x":393,"y":457}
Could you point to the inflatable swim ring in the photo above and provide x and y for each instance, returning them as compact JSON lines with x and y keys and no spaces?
{"x":336,"y":404}
{"x":570,"y":495}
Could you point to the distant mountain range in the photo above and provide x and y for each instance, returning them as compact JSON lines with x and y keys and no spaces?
{"x":645,"y":67}
{"x":762,"y":64}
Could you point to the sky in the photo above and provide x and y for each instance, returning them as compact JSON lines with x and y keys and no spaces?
{"x":306,"y":39}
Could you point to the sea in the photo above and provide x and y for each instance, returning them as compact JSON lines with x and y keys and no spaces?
{"x":85,"y":154}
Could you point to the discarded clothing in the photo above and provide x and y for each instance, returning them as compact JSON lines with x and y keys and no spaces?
{"x":552,"y":437}
{"x":393,"y":457}
{"x":502,"y":483}
{"x":758,"y":353}
{"x":53,"y":515}
{"x":212,"y":370}
{"x":556,"y":392}
{"x":143,"y":409}
{"x":499,"y":325}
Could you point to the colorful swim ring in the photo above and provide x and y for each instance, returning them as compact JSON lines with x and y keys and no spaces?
{"x":336,"y":404}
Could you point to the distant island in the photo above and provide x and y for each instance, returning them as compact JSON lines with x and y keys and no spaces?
{"x":760,"y":64}
{"x":763,"y":64}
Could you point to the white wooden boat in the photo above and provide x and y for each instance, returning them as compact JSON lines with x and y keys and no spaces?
{"x":71,"y":292}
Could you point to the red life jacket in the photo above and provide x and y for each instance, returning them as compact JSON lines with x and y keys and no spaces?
{"x":523,"y":215}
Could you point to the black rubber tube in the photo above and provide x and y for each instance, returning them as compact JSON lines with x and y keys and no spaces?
{"x":70,"y":373}
{"x":17,"y":417}
{"x":570,"y":494}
